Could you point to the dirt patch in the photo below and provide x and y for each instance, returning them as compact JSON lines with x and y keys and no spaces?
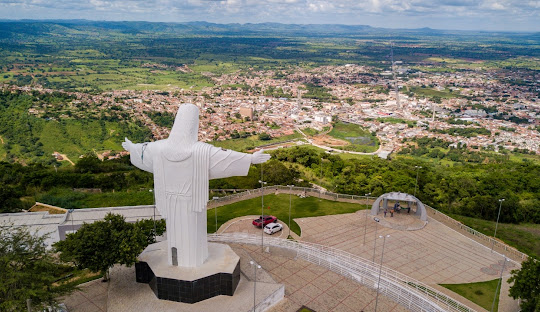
{"x":62,"y":157}
{"x":2,"y":140}
{"x":327,"y":140}
{"x":44,"y":207}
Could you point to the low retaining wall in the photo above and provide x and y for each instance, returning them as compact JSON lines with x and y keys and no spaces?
{"x":500,"y":247}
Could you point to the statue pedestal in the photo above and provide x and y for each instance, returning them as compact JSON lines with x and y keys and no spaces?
{"x":219,"y":275}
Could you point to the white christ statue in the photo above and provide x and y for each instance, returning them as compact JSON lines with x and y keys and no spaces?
{"x":182,"y":167}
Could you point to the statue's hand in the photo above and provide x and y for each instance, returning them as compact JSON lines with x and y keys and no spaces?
{"x":259,"y":157}
{"x":126,"y":144}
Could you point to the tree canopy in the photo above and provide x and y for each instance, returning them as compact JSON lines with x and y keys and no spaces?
{"x":527,"y":285}
{"x":28,"y":271}
{"x":100,"y":245}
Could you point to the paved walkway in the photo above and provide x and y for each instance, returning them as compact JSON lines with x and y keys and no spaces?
{"x":434,"y":255}
{"x":244,"y":225}
{"x":314,"y":286}
{"x":92,"y":297}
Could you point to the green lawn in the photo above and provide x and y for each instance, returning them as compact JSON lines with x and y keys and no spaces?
{"x":251,"y":142}
{"x":480,"y":293}
{"x":310,"y":131}
{"x":67,"y":198}
{"x":361,"y":140}
{"x":428,"y":92}
{"x":524,"y":236}
{"x":279,"y":207}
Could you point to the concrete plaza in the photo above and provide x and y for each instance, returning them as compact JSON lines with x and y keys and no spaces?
{"x":433,"y":254}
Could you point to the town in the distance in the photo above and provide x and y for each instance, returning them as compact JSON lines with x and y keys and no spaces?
{"x":479,"y":109}
{"x":336,"y":168}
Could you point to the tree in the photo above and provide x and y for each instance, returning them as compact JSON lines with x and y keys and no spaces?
{"x":100,"y":245}
{"x":527,"y":285}
{"x":9,"y":199}
{"x":28,"y":271}
{"x":264,"y":136}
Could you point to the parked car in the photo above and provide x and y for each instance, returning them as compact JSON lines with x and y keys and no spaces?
{"x":264,"y":219}
{"x":272,"y":228}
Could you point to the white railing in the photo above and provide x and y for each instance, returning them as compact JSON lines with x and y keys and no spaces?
{"x":509,"y":251}
{"x":410,"y":293}
{"x":306,"y":190}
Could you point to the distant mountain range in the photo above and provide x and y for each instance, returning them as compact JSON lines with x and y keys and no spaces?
{"x":38,"y":27}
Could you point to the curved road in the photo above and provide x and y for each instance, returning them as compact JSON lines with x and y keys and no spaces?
{"x":338,"y":150}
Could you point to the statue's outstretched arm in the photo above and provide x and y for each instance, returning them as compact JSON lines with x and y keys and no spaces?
{"x":140,"y":154}
{"x":227,"y":163}
{"x":259,"y":157}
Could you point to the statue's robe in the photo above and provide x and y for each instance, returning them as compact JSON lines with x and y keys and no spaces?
{"x":181,"y":190}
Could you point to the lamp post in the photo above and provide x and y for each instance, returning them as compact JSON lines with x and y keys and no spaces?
{"x":262,"y":210}
{"x":498,"y":284}
{"x":320,"y":190}
{"x":496,"y":224}
{"x":416,"y":184}
{"x":215,"y":210}
{"x":321,"y":170}
{"x":365,"y":223}
{"x":154,"y":201}
{"x":290,"y":206}
{"x":380,"y":269}
{"x":375,"y":242}
{"x":255,"y":267}
{"x":71,"y":213}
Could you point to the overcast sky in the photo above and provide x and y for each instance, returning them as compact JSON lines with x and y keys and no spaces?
{"x":506,"y":15}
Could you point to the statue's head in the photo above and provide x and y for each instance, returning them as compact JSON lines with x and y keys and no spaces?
{"x":184,"y":133}
{"x":186,"y":124}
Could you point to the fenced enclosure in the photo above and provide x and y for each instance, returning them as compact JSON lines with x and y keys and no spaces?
{"x":488,"y":241}
{"x":410,"y":293}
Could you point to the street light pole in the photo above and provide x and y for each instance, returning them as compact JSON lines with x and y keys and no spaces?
{"x":320,"y":189}
{"x":498,"y":284}
{"x":365,"y":223}
{"x":255,"y":267}
{"x":262,"y":210}
{"x":380,"y":269}
{"x":154,"y":201}
{"x":71,"y":213}
{"x":290,"y":206}
{"x":416,"y":184}
{"x":215,"y":198}
{"x":321,"y":171}
{"x":375,"y":242}
{"x":496,"y":224}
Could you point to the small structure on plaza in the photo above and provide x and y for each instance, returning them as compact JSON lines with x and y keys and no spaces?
{"x":403,"y":203}
{"x":186,"y":268}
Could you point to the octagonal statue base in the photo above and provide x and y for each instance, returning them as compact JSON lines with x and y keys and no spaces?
{"x":219,"y":274}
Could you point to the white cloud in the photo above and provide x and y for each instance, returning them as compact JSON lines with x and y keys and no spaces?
{"x":482,"y":14}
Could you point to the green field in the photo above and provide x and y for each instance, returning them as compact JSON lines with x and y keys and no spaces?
{"x":310,"y":131}
{"x":279,"y":207}
{"x":431,"y":93}
{"x":480,"y":293}
{"x":524,"y":237}
{"x":242,"y":145}
{"x":67,"y":198}
{"x":361,"y":140}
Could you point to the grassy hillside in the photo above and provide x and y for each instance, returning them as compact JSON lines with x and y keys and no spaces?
{"x":524,"y":236}
{"x":30,"y":137}
{"x":361,"y":140}
{"x":279,"y":207}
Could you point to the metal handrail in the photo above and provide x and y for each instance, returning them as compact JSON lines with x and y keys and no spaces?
{"x":361,"y":200}
{"x":412,"y":294}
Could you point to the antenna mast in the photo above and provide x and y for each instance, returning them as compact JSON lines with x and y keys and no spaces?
{"x":394,"y":75}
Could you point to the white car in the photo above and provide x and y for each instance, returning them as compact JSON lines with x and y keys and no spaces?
{"x":272,"y":228}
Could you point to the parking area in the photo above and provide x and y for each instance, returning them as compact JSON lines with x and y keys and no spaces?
{"x":244,"y":225}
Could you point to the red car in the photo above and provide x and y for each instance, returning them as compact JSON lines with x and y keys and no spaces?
{"x":266,"y":220}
